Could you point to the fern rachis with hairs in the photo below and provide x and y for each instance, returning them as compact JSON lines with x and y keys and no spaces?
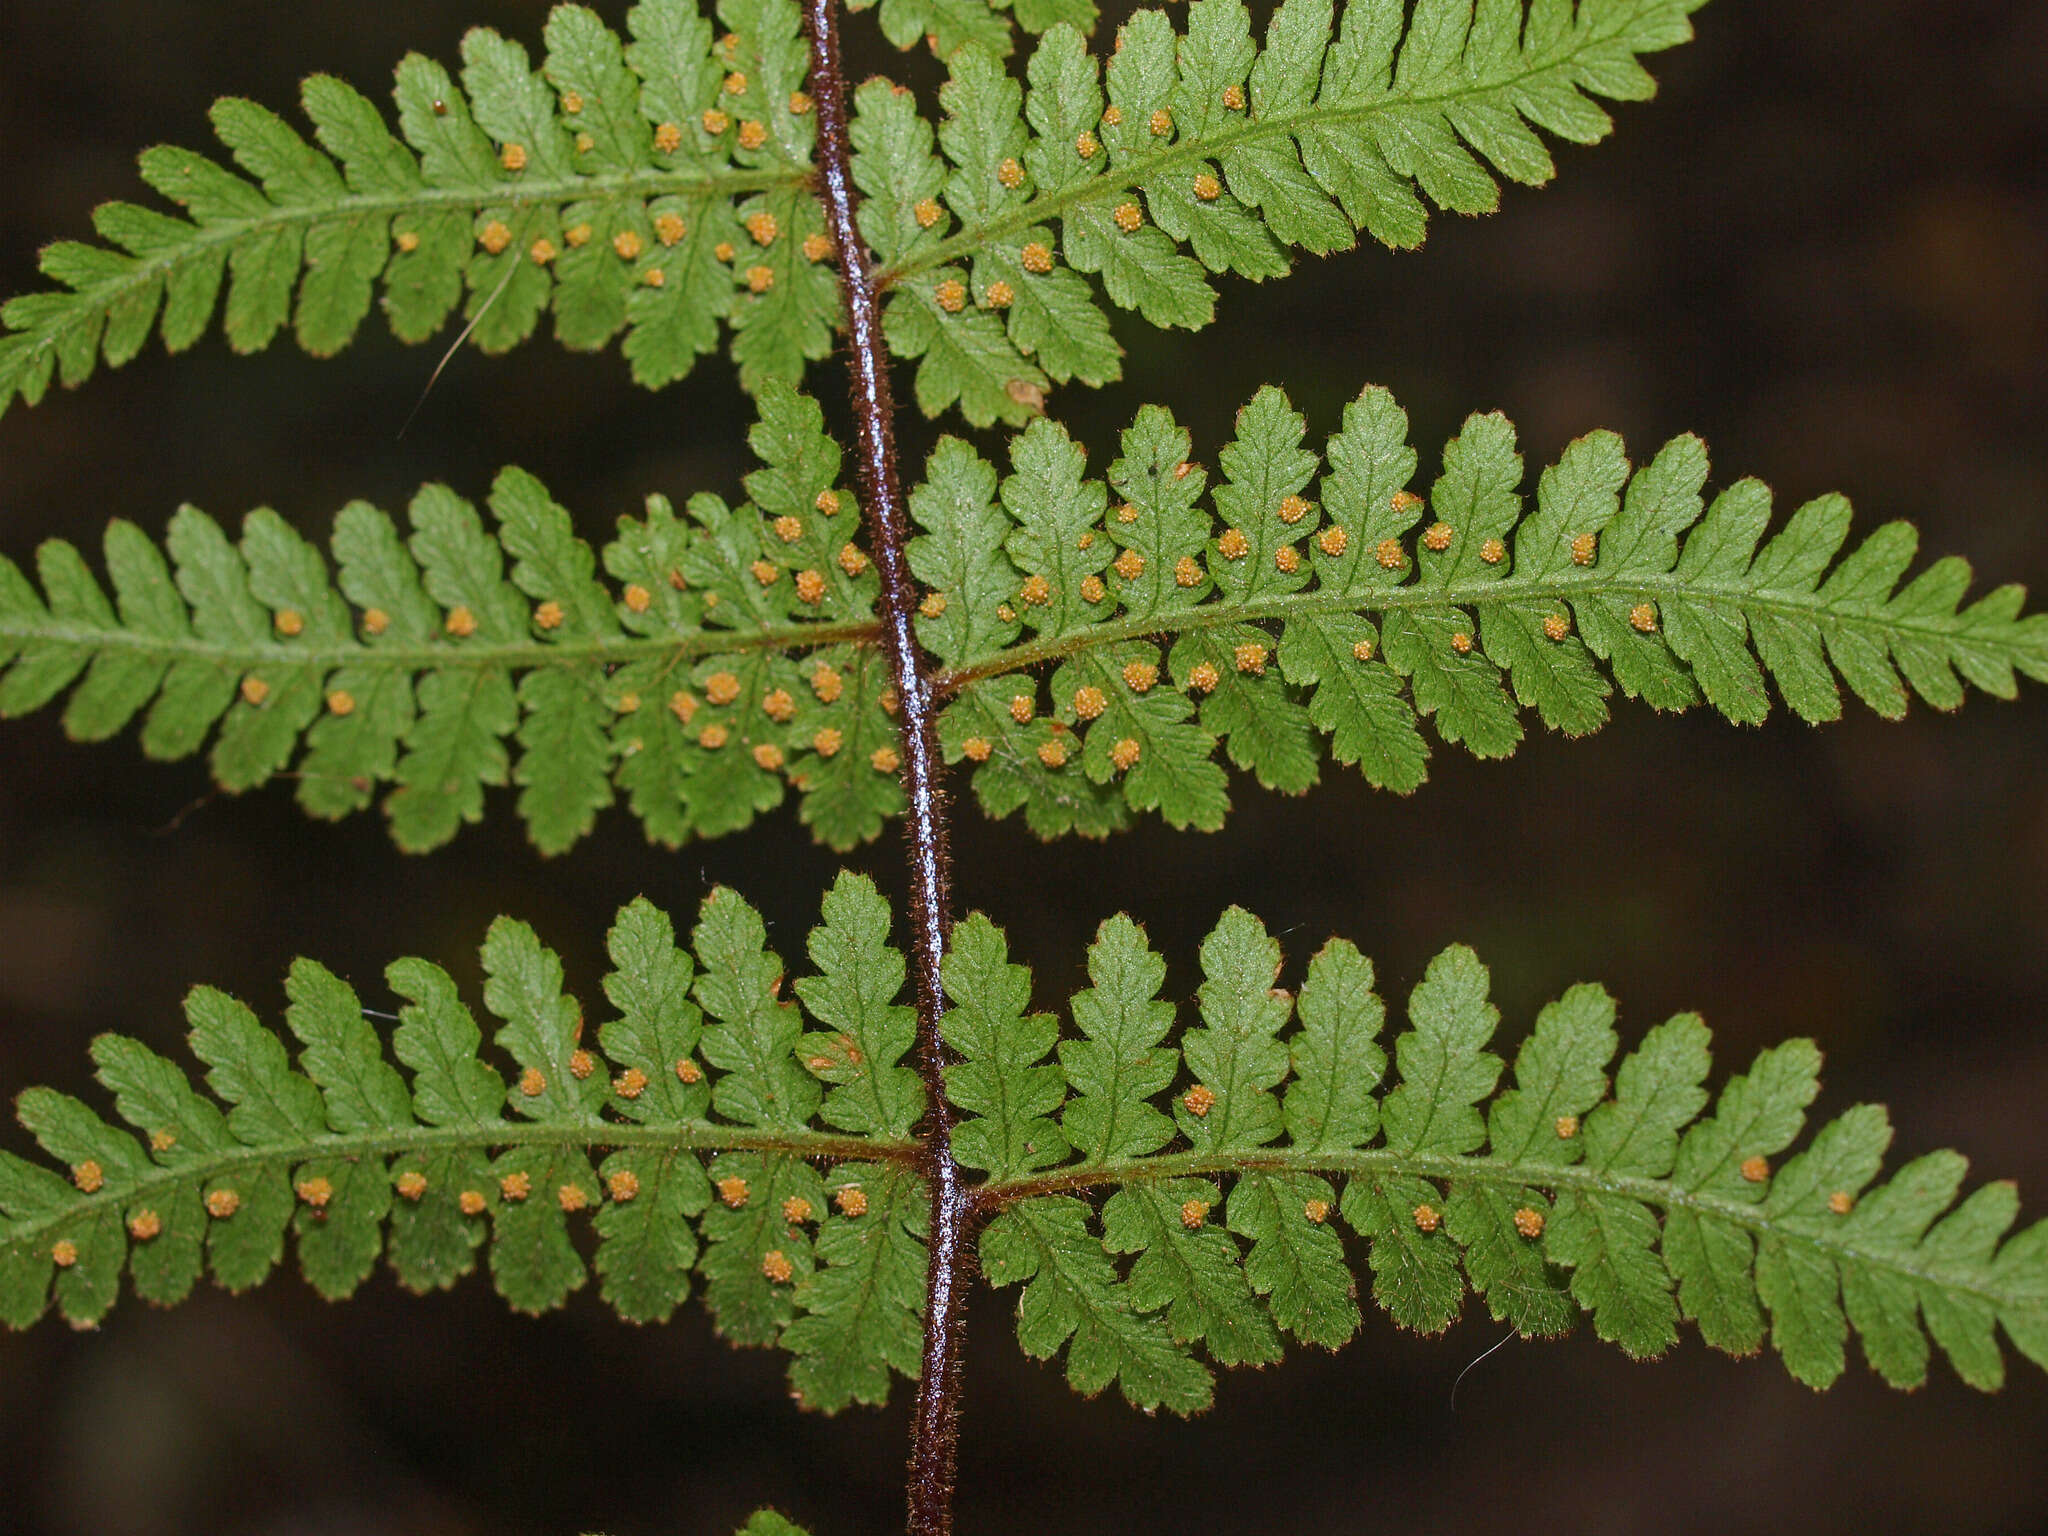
{"x":831,"y":1161}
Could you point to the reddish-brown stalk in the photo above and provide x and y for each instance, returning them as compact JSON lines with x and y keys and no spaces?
{"x":935,"y":1424}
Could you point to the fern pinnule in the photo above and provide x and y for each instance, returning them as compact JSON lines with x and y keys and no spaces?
{"x":944,"y":26}
{"x":766,"y":1522}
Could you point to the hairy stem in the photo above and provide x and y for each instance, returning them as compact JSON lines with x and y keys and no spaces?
{"x":935,"y":1425}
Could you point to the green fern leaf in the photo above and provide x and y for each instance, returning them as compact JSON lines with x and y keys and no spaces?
{"x":944,"y":24}
{"x":754,"y":1035}
{"x":543,"y":1030}
{"x":1213,"y":154}
{"x":1296,"y":1262}
{"x":601,"y":187}
{"x":1414,"y":1261}
{"x":658,"y":186}
{"x":1072,"y":1297}
{"x":1118,"y":1064}
{"x":1194,"y":1270}
{"x":866,"y":1033}
{"x":1489,"y":609}
{"x":1757,"y":1116}
{"x":1444,"y":1069}
{"x":1336,"y":1061}
{"x":1552,"y":1197}
{"x":423,"y":663}
{"x":1808,"y":1328}
{"x":1052,"y":506}
{"x":1444,"y":1074}
{"x":1172,"y":772}
{"x":646,"y":1244}
{"x":434,"y":1236}
{"x":959,"y":555}
{"x":768,"y":1523}
{"x":342,"y":1054}
{"x":999,"y":1082}
{"x":1236,"y":1057}
{"x":753,"y":1249}
{"x":1052,"y":316}
{"x":658,"y":1029}
{"x":863,"y":1307}
{"x":1607,"y":1241}
{"x":753,"y":1039}
{"x":1560,"y":1074}
{"x":735,"y":659}
{"x":1020,"y":769}
{"x":358,"y":1160}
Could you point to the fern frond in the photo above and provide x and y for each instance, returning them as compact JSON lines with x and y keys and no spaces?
{"x":654,"y":185}
{"x":1281,"y":617}
{"x":657,"y":185}
{"x":358,"y":1159}
{"x":728,"y":665}
{"x":1561,"y":1193}
{"x":1210,"y":155}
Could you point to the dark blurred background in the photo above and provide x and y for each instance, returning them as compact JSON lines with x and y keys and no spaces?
{"x":1825,"y":248}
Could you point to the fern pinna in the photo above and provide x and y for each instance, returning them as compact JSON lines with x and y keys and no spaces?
{"x":717,"y":1134}
{"x":1097,"y":639}
{"x":658,"y":186}
{"x":1080,"y":643}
